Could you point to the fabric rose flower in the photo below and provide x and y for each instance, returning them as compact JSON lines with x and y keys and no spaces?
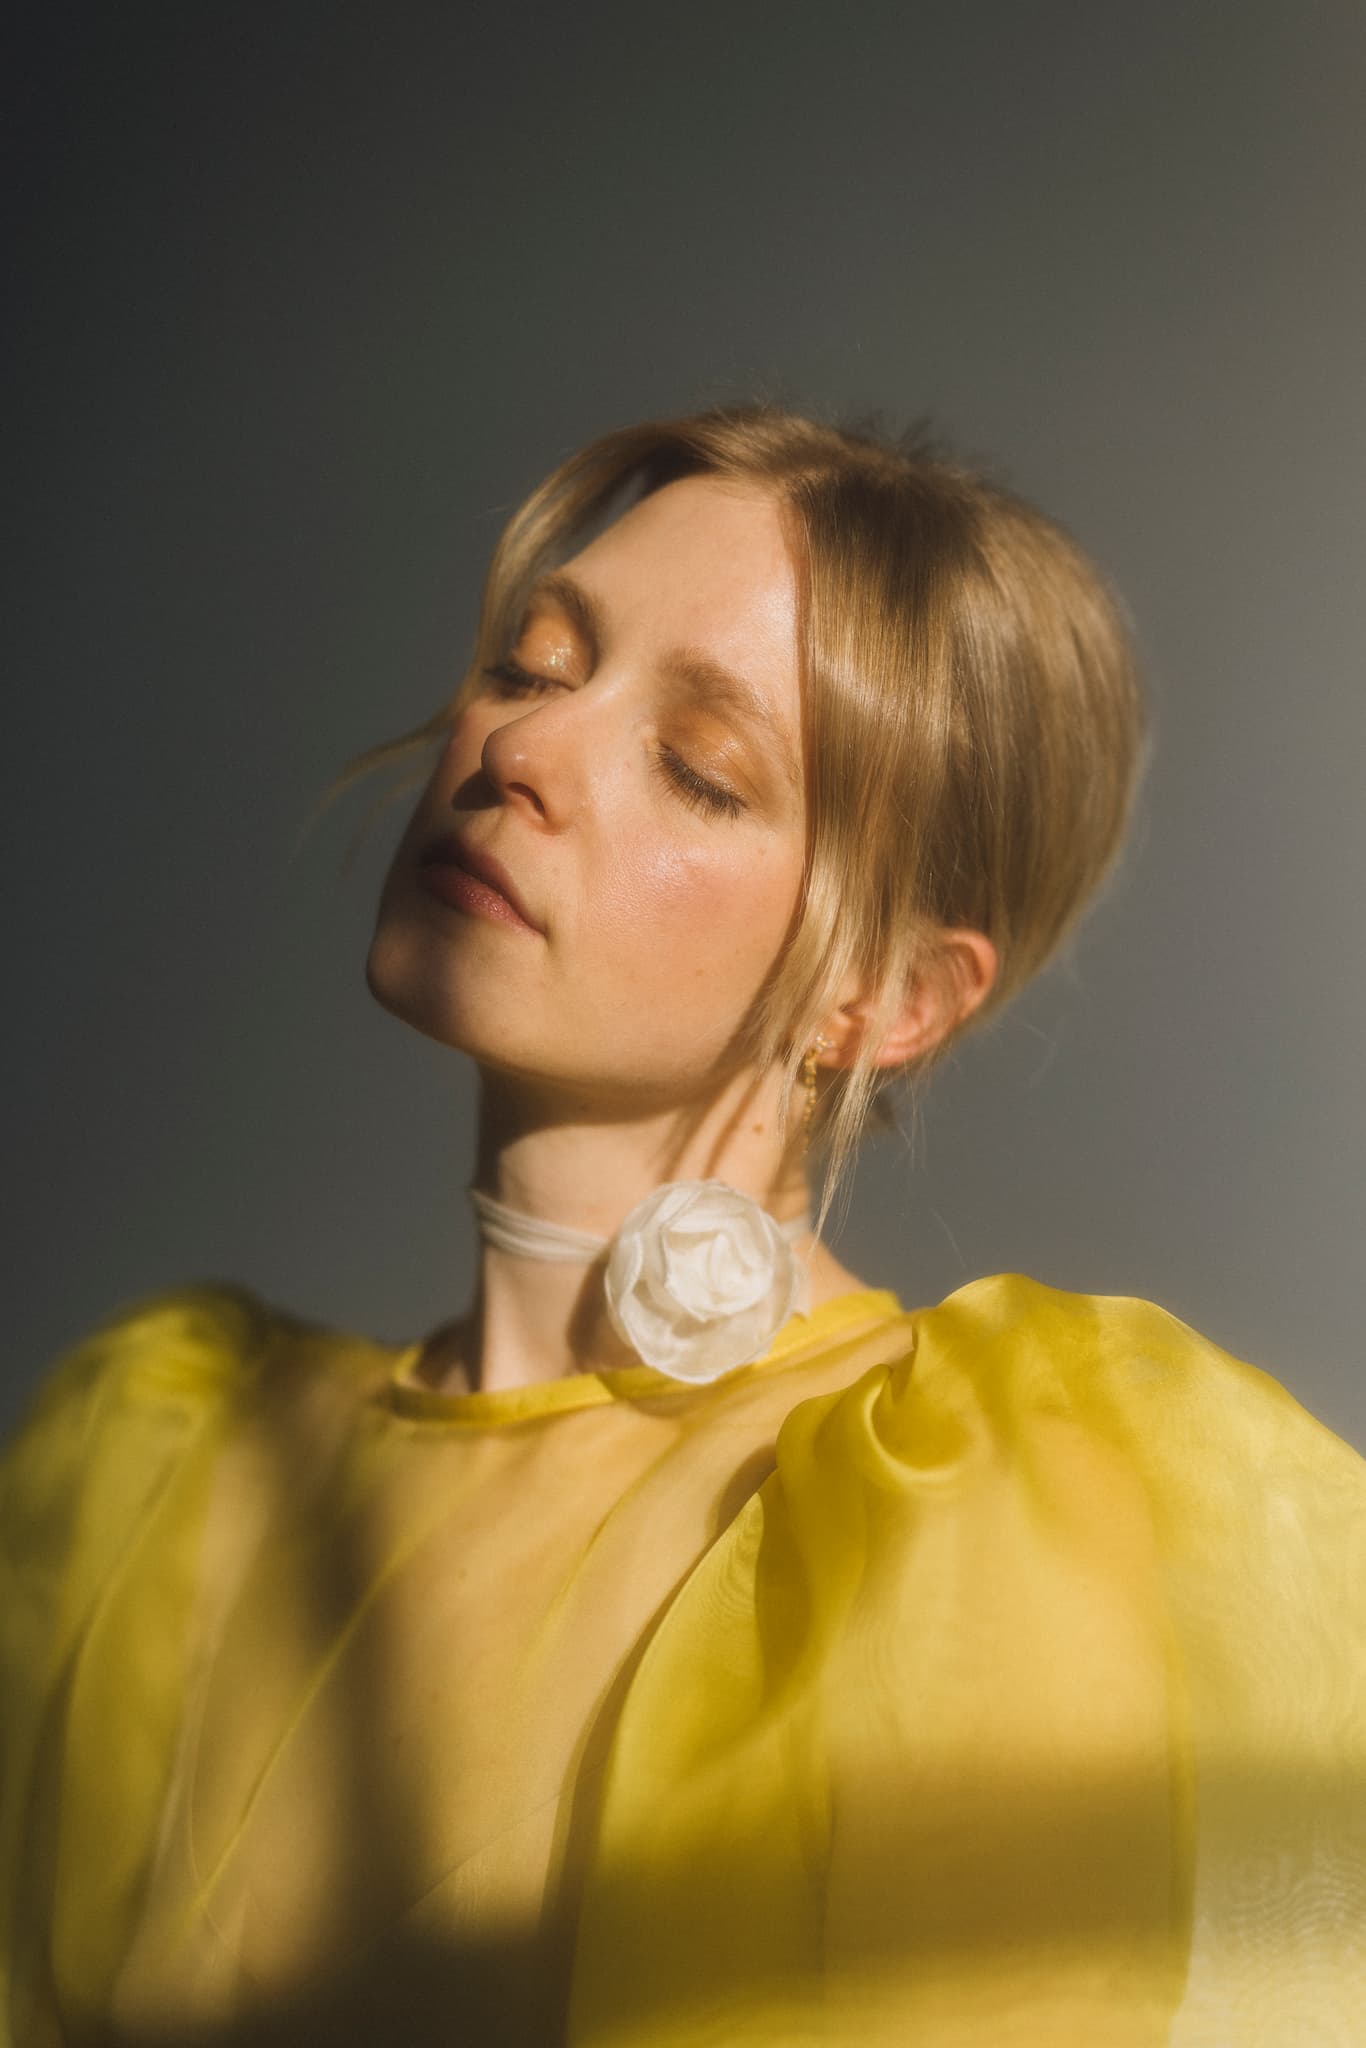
{"x":700,"y":1279}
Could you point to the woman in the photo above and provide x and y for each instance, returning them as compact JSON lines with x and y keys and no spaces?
{"x":690,"y":1643}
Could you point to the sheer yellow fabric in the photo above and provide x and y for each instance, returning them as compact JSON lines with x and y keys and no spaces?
{"x":992,"y":1673}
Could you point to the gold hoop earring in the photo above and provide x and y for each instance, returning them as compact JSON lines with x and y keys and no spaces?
{"x":822,"y":1044}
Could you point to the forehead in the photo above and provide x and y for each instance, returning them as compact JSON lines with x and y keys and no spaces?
{"x":704,"y":560}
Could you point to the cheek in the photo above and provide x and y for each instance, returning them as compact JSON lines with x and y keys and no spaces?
{"x":713,"y":914}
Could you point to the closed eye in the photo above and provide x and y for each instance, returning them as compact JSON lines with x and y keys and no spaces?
{"x":515,"y":681}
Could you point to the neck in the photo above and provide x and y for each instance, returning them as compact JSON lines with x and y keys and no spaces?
{"x":533,"y":1320}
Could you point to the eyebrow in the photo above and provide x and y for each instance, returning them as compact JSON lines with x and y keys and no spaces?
{"x":700,"y":673}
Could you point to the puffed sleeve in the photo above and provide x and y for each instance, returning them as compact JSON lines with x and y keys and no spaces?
{"x":104,"y":1471}
{"x":1024,"y":1702}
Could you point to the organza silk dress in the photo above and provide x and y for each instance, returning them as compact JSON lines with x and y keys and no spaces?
{"x":988,"y":1673}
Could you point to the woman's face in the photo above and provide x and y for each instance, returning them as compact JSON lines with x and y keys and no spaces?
{"x":652,"y":828}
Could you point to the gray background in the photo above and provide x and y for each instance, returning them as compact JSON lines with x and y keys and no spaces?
{"x":305,"y":300}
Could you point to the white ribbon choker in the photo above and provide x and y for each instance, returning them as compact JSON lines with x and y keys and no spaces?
{"x":699,"y":1278}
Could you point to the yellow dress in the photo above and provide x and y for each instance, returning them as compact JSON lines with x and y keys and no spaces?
{"x":989,"y":1675}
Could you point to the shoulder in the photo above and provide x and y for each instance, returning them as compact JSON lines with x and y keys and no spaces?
{"x":1023,"y":1345}
{"x":1085,"y":1465}
{"x":184,"y":1342}
{"x":166,"y":1369}
{"x":105,"y":1444}
{"x":1009,"y":1370}
{"x":127,"y":1393}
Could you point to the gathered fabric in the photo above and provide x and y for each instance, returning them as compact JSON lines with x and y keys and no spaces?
{"x":986,"y":1675}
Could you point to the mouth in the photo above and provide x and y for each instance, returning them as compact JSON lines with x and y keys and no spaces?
{"x":447,"y":858}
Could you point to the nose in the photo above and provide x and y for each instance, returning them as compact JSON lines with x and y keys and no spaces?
{"x":505,"y":763}
{"x":542,"y":756}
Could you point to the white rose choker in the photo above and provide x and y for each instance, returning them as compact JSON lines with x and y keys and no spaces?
{"x":699,"y":1279}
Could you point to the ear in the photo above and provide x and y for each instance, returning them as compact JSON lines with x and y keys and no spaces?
{"x":947,"y":992}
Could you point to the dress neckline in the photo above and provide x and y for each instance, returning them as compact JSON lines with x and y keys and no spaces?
{"x":861,"y":1306}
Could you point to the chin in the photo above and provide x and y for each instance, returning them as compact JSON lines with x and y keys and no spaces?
{"x":401,"y":984}
{"x":399,"y":976}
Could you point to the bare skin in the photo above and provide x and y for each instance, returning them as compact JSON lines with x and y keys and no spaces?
{"x":603,"y":1036}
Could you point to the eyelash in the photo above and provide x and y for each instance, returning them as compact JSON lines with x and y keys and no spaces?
{"x":683,"y":780}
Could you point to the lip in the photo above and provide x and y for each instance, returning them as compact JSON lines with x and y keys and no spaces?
{"x":450,"y":850}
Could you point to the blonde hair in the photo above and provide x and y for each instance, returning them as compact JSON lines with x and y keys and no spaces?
{"x":973,"y":728}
